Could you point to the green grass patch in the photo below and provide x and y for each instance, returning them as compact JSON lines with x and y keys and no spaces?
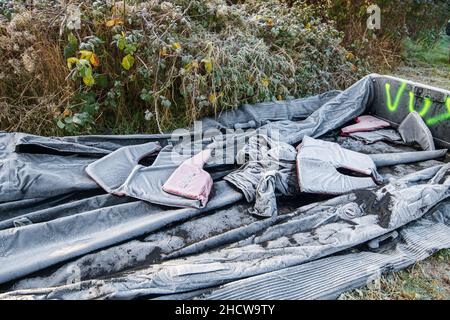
{"x":436,"y":55}
{"x":426,"y":280}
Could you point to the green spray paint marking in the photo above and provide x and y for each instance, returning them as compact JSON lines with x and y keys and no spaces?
{"x":441,"y":117}
{"x":398,"y":96}
{"x":426,"y":105}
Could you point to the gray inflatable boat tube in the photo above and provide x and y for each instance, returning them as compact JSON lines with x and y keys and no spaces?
{"x":390,"y":159}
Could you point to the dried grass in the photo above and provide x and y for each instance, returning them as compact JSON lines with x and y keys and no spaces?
{"x":259,"y":51}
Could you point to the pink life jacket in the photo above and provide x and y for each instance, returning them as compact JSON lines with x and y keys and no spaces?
{"x":189,"y":180}
{"x":365,"y":123}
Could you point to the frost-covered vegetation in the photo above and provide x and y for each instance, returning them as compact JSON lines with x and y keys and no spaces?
{"x":71,"y":67}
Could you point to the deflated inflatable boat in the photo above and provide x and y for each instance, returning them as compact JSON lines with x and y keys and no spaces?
{"x":298,"y":199}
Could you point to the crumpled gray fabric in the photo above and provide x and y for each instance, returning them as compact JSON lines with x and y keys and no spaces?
{"x":16,"y":209}
{"x":248,"y":246}
{"x":33,"y":167}
{"x":256,"y":115}
{"x":329,"y":277}
{"x":265,"y":201}
{"x":73,"y":178}
{"x":34,"y":247}
{"x":90,"y":145}
{"x":268,"y":171}
{"x":307,"y":234}
{"x":30,"y":176}
{"x":410,"y":195}
{"x":185,"y":238}
{"x":370,"y":137}
{"x":318,"y":162}
{"x":60,"y":207}
{"x":414,"y":130}
{"x":333,"y":114}
{"x":37,"y":144}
